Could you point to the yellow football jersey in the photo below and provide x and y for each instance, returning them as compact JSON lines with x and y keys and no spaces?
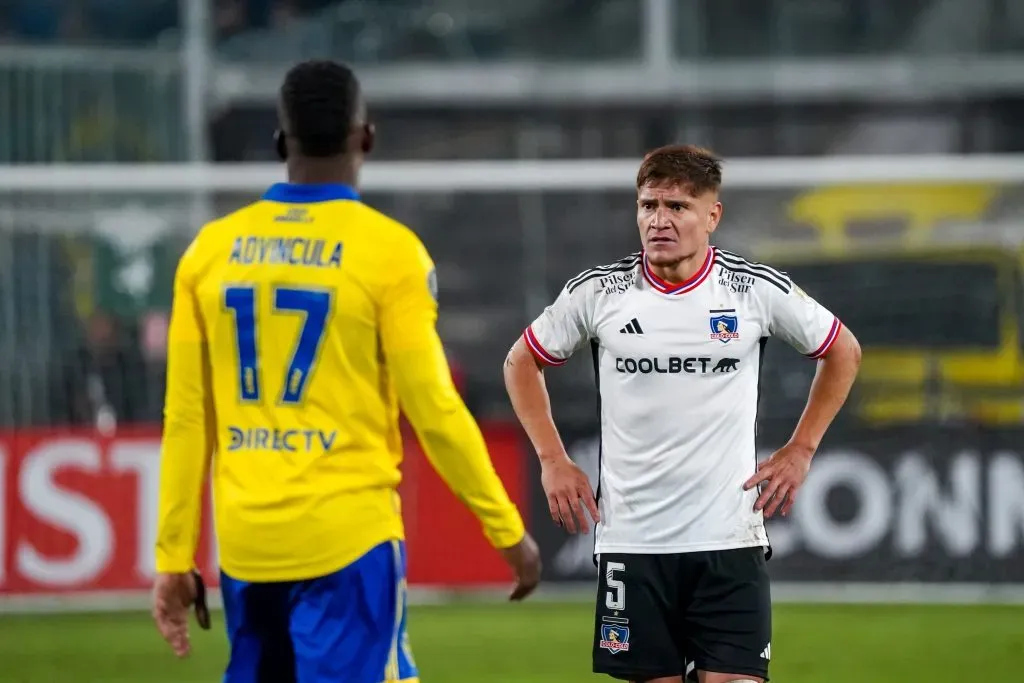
{"x":298,"y":325}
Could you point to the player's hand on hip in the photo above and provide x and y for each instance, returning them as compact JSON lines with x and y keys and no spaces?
{"x":782,"y":474}
{"x":569,"y":494}
{"x":524,"y":559}
{"x":173,"y":595}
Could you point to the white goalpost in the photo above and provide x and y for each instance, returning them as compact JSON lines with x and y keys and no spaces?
{"x":515,"y":175}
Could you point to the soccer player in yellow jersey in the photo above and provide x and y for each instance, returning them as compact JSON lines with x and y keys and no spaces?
{"x":300,"y":324}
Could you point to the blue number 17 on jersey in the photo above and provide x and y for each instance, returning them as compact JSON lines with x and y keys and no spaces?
{"x":315,"y":307}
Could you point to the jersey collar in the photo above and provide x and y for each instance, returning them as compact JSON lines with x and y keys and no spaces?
{"x":680,"y":287}
{"x":295,"y":193}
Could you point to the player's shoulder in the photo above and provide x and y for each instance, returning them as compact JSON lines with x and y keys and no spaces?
{"x":763,"y":277}
{"x":393,"y":243}
{"x":387,"y":228}
{"x":611,"y":277}
{"x":383,"y":250}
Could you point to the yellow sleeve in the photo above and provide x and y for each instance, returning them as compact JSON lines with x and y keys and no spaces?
{"x":448,"y":433}
{"x":189,"y":427}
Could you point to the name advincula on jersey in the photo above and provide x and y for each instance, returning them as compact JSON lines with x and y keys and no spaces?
{"x":285,"y":251}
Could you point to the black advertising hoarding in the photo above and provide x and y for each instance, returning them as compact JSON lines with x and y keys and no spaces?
{"x":921,"y":504}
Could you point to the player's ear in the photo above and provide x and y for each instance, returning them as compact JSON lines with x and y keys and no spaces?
{"x":280,"y":145}
{"x":369,"y":137}
{"x":714,"y":216}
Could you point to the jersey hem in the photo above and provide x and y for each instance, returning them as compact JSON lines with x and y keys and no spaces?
{"x":676,"y":548}
{"x":298,"y":552}
{"x":305,"y":572}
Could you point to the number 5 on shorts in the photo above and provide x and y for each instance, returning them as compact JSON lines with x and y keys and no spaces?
{"x":615,"y":598}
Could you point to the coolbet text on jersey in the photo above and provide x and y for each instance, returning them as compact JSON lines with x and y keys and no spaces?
{"x":299,"y":323}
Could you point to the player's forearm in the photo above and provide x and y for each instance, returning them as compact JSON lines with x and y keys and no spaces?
{"x":458,"y":452}
{"x":524,"y":381}
{"x":182,"y":471}
{"x":833,"y":380}
{"x":455,"y":447}
{"x":188,"y":441}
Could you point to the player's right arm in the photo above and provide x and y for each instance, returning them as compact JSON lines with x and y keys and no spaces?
{"x":816,"y":332}
{"x":189,"y":438}
{"x":189,"y":430}
{"x":550,"y":341}
{"x":450,"y":437}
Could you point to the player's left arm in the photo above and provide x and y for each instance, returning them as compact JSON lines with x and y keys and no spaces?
{"x":451,"y":438}
{"x":816,"y":332}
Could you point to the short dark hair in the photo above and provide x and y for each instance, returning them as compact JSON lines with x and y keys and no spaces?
{"x":698,"y":168}
{"x":321,"y":99}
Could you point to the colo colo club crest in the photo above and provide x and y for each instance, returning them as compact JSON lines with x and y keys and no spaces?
{"x":724,"y":325}
{"x":614,"y":638}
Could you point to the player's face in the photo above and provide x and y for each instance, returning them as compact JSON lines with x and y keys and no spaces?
{"x":675,"y":224}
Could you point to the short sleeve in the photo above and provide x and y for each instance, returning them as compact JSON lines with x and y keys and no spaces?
{"x":562,"y":328}
{"x":802,"y":322}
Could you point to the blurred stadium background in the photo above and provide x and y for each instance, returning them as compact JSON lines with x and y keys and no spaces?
{"x":872,"y":152}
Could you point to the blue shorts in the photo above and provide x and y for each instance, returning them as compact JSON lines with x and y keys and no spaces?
{"x":346,"y":627}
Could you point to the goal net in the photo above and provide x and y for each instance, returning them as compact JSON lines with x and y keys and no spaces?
{"x":84,"y":243}
{"x":921,"y":478}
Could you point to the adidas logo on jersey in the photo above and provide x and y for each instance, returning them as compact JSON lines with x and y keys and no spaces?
{"x":632,"y":327}
{"x":767,"y":652}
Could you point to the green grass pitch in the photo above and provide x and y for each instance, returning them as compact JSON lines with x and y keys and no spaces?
{"x":549,"y":643}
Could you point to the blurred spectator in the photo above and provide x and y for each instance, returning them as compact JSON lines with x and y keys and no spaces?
{"x":231,"y":17}
{"x":111,"y":376}
{"x":34,"y":20}
{"x":284,"y":13}
{"x":135,"y":22}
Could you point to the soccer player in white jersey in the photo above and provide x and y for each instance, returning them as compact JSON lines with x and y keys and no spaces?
{"x":677,"y":332}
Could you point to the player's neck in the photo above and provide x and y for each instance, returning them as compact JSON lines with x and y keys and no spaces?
{"x":322,"y":172}
{"x":684,"y":270}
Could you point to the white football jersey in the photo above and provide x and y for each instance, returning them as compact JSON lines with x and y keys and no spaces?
{"x":678,"y":370}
